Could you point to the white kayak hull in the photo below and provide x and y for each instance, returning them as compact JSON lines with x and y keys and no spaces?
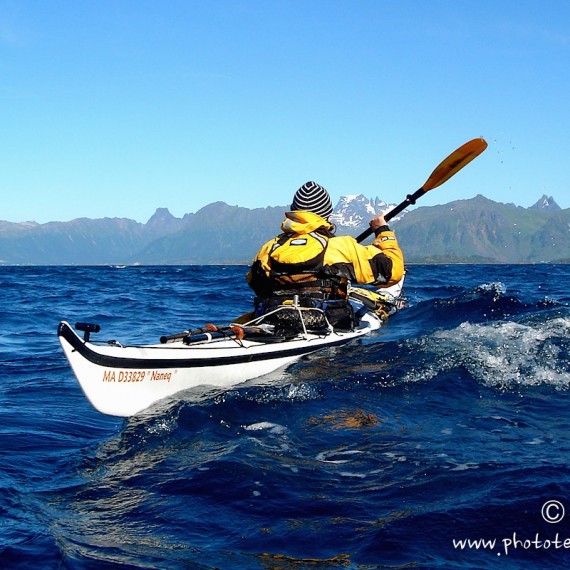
{"x":125,"y":380}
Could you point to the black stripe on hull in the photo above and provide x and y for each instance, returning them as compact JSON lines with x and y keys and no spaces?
{"x":106,"y":361}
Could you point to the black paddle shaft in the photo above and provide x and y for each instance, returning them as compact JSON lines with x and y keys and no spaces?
{"x":409,"y":201}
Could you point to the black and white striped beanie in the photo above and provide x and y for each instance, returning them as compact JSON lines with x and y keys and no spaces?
{"x":312,"y":197}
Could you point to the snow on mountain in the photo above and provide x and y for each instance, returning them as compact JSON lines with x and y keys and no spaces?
{"x":546,"y":203}
{"x":354,"y":211}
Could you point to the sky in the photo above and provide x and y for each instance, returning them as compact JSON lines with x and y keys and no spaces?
{"x":114,"y":108}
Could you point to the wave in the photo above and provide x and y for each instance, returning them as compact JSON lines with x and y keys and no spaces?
{"x":505,"y":354}
{"x":450,"y":418}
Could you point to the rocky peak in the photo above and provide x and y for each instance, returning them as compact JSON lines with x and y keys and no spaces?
{"x":163,"y":222}
{"x":546,"y":203}
{"x":355,"y":211}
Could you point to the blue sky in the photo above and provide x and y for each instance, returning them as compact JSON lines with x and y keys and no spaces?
{"x":115,"y":108}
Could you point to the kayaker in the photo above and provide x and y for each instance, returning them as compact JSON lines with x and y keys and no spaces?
{"x":309,"y":261}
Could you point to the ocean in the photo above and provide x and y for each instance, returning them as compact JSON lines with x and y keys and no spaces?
{"x":440,"y":441}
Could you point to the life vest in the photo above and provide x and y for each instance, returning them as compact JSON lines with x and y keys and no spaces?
{"x":297,"y":258}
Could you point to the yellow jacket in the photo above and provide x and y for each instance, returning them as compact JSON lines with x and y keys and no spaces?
{"x":308,"y":251}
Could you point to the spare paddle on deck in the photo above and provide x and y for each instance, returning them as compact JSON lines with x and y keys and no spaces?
{"x":209,"y":328}
{"x":442,"y":173}
{"x":212,"y":332}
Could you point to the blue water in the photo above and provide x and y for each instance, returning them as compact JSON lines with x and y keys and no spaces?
{"x":450,"y":424}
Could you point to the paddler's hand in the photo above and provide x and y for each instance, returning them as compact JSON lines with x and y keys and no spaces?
{"x":378,"y":222}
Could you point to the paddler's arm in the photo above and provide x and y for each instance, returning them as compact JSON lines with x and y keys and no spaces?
{"x":387,"y":243}
{"x":258,"y":275}
{"x":380,"y":263}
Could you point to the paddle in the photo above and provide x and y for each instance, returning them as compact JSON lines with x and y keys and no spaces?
{"x":442,"y":173}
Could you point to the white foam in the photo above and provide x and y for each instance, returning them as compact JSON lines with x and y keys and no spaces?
{"x":260,"y":426}
{"x":465,"y":466}
{"x":503,"y":354}
{"x":337,"y":456}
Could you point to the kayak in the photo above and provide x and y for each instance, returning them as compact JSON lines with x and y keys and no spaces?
{"x":122,"y":380}
{"x":125,"y":380}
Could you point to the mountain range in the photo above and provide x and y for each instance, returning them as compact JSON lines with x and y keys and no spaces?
{"x":476,"y":230}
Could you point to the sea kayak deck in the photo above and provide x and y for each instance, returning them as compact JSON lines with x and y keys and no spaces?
{"x":124,"y":380}
{"x":212,"y":353}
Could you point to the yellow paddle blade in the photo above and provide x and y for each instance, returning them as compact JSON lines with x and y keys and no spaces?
{"x":242,"y":319}
{"x":454,"y":163}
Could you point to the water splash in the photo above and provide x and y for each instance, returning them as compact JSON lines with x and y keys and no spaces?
{"x":500,"y":354}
